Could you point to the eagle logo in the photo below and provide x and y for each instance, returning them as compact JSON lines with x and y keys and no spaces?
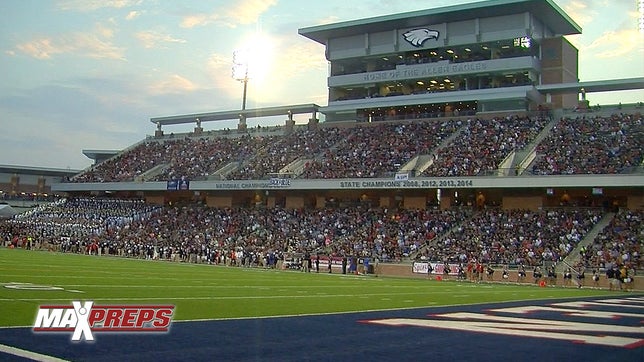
{"x":417,"y":37}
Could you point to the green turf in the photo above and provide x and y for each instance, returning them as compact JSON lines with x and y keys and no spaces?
{"x":208,"y":292}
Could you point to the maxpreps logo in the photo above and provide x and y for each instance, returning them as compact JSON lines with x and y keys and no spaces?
{"x":84,"y":319}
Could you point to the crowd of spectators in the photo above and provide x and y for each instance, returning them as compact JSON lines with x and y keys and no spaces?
{"x":126,"y":166}
{"x":132,"y":228}
{"x":187,"y":157}
{"x":79,"y":219}
{"x":483,"y":144}
{"x":274,"y":156}
{"x":592,"y":145}
{"x":379,"y":150}
{"x":515,"y":237}
{"x":196,"y":159}
{"x":619,"y":243}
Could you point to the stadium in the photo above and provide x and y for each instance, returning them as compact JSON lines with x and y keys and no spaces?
{"x":460,"y":188}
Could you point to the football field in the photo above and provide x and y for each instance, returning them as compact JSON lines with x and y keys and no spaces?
{"x":253,"y":314}
{"x":204,"y":292}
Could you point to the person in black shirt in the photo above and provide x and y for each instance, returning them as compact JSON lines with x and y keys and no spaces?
{"x":567,"y":277}
{"x":610,"y":275}
{"x":521,"y":274}
{"x":580,"y":277}
{"x":595,"y":278}
{"x":552,"y":276}
{"x":536,"y":273}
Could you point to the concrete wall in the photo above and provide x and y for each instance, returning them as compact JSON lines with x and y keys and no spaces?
{"x":405,"y":270}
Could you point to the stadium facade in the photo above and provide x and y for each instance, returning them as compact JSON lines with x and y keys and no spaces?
{"x":478,"y":60}
{"x":465,"y":59}
{"x":22,"y":182}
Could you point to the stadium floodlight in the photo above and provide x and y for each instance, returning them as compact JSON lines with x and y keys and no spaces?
{"x":241,"y":67}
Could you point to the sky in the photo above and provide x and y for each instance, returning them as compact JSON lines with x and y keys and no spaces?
{"x":90,"y":74}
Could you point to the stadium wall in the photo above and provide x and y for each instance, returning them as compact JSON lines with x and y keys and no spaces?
{"x":529,"y":203}
{"x":406,"y":270}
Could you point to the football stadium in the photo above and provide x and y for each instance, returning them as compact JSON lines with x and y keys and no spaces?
{"x":458,"y":197}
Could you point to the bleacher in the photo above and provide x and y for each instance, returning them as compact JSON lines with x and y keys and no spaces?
{"x":597,"y":144}
{"x":590,"y":144}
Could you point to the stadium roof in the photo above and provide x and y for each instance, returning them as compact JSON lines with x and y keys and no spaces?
{"x":6,"y":211}
{"x":593,"y":86}
{"x":235,"y":114}
{"x":546,"y":10}
{"x":38,"y":171}
{"x":95,"y":154}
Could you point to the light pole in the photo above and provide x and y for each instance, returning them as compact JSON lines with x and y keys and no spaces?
{"x":240,"y":73}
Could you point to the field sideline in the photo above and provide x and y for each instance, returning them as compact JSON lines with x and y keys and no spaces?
{"x":206,"y":292}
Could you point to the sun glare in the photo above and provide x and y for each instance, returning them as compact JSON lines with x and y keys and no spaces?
{"x":256,"y":53}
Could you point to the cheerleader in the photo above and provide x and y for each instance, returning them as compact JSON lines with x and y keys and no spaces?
{"x":596,"y":278}
{"x":580,"y":277}
{"x":567,"y":277}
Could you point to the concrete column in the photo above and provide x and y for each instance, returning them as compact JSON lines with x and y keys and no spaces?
{"x":313,"y":121}
{"x":159,"y":131}
{"x":198,"y":128}
{"x":290,"y":123}
{"x":242,"y":123}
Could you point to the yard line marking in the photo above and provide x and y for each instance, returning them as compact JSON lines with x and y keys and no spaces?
{"x":28,"y":354}
{"x":283,"y":288}
{"x":230,"y":297}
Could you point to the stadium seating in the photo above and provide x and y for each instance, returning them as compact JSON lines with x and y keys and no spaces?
{"x":516,"y":237}
{"x":133,"y":229}
{"x":619,"y":243}
{"x":592,"y":145}
{"x":457,"y":147}
{"x":597,"y":144}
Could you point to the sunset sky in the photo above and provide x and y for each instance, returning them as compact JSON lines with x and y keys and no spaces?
{"x":89,"y":74}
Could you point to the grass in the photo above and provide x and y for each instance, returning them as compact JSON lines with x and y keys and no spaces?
{"x":215,"y":292}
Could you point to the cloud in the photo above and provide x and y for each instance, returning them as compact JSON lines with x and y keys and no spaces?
{"x":617,"y":44}
{"x":95,"y":44}
{"x":76,"y":114}
{"x":242,"y":12}
{"x":593,"y":14}
{"x":309,"y":55}
{"x":151,"y":39}
{"x":293,"y":63}
{"x":328,"y":20}
{"x":287,"y":77}
{"x":580,"y":12}
{"x":132,"y":15}
{"x":191,"y":21}
{"x":92,"y":5}
{"x":247,"y":12}
{"x":219,"y":69}
{"x":40,"y":48}
{"x":174,"y":84}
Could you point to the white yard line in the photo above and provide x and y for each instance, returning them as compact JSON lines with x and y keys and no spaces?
{"x":28,"y":354}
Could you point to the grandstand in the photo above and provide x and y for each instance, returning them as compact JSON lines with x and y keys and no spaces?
{"x":22,"y":186}
{"x":474,"y":145}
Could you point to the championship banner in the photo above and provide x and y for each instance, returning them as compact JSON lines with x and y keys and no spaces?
{"x":402,"y":177}
{"x":421,"y":267}
{"x":174,"y":185}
